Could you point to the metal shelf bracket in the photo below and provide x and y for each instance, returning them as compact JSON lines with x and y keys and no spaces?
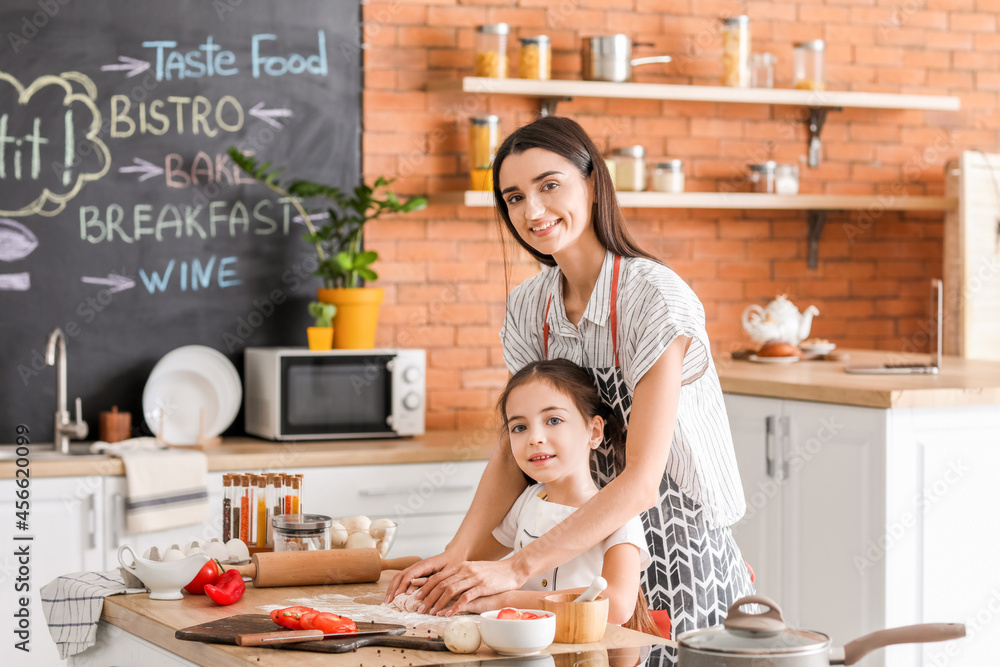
{"x":547,"y":105}
{"x":817,"y":117}
{"x":817,"y":220}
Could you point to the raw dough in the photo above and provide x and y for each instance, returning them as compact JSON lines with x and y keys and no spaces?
{"x":405,"y":602}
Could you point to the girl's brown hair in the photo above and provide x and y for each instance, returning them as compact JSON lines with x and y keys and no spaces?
{"x":565,"y":137}
{"x":574,"y":381}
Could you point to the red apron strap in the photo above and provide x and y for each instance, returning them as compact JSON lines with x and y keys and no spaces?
{"x":614,"y":309}
{"x":545,"y":327}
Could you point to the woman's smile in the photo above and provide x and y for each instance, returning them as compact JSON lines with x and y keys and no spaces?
{"x":544,"y":228}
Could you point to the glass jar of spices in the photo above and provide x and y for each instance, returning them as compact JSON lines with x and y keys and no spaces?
{"x":491,"y":50}
{"x":484,"y":140}
{"x":630,"y":168}
{"x":668,"y":176}
{"x":736,"y":51}
{"x":536,"y":58}
{"x":301,"y":532}
{"x":808,"y":67}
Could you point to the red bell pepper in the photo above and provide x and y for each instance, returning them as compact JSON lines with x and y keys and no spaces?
{"x":227,"y":589}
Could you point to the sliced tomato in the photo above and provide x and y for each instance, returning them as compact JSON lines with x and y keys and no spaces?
{"x":289,"y":616}
{"x":529,"y":616}
{"x":509,"y":614}
{"x":306,"y":620}
{"x":333,"y":624}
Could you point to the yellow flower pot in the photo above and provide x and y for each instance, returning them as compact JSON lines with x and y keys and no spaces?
{"x":320,"y":338}
{"x":357,"y":315}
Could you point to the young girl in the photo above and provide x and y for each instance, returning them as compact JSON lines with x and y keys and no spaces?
{"x":551,"y":412}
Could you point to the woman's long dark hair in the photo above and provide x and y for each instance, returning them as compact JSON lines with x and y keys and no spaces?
{"x":565,"y":137}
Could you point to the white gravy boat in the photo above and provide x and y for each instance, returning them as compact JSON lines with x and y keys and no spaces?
{"x":164,"y":580}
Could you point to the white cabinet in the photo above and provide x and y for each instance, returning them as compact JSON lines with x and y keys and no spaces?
{"x":117,"y":534}
{"x":65,"y":522}
{"x":868,"y":519}
{"x":427,"y":500}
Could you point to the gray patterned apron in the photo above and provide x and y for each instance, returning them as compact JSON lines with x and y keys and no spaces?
{"x":697,"y":571}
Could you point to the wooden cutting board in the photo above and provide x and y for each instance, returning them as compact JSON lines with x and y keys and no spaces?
{"x":224,"y":631}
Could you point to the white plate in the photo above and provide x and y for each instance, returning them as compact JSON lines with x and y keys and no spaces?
{"x":217,"y":370}
{"x":178,"y":400}
{"x":772,"y":360}
{"x":823,"y":348}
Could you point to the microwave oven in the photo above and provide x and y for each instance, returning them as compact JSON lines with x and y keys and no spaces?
{"x":293,"y":393}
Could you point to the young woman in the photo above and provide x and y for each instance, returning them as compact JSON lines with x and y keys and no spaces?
{"x":552,"y":414}
{"x":640,"y":332}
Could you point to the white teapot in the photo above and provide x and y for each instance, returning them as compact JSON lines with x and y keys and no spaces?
{"x":780,"y":321}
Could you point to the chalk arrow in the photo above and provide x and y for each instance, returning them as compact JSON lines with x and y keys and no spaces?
{"x":117,"y":283}
{"x":268,"y":115}
{"x":147,"y":169}
{"x":130,"y":65}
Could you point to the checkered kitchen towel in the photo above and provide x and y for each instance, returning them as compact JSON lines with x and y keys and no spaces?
{"x":72,"y":605}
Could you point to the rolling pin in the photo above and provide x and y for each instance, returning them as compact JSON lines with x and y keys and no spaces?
{"x":314,"y":568}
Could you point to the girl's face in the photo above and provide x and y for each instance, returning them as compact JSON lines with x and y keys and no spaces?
{"x":548,"y":200}
{"x":549,"y":438}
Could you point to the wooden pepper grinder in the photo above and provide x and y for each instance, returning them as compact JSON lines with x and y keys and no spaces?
{"x":115,"y":426}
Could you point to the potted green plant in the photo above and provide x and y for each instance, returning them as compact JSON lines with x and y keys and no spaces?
{"x":343,"y":262}
{"x":321,"y":335}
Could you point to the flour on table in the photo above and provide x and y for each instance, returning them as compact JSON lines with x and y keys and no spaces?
{"x":371,"y":613}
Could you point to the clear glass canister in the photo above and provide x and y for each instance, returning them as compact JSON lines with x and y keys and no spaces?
{"x":301,"y":532}
{"x":668,"y":176}
{"x":762,"y":176}
{"x":630,"y":168}
{"x":736,"y":51}
{"x":786,"y":179}
{"x":762,"y":70}
{"x":808,"y":68}
{"x":484,"y":140}
{"x":536,"y":58}
{"x":491,"y":50}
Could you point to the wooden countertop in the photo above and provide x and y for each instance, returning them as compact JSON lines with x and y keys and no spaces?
{"x":960,"y":382}
{"x":157,"y":620}
{"x":246,"y":453}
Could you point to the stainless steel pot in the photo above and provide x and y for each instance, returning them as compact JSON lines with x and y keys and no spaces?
{"x":610,"y":58}
{"x":763,"y":640}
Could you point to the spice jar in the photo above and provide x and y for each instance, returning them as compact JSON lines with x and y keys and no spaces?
{"x":762,"y":176}
{"x":630,"y":168}
{"x":736,"y":51}
{"x":536,"y":58}
{"x":808,"y":65}
{"x":668,"y":176}
{"x":786,"y":179}
{"x":491,"y":50}
{"x":301,"y":532}
{"x":484,"y":139}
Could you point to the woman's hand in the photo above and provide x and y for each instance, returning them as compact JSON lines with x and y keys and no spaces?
{"x":455,"y":587}
{"x":401,"y":581}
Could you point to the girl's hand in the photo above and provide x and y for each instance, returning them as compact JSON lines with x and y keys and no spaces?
{"x":460,"y":584}
{"x":401,"y":581}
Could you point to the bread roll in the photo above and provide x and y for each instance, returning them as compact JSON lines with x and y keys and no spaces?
{"x":778,"y":349}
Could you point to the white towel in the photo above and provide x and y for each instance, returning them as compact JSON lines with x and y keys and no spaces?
{"x":166,"y":487}
{"x":72,"y":605}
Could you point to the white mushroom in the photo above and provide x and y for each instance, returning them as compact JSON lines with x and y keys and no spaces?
{"x":361,"y":541}
{"x":356,"y":523}
{"x":461,"y":635}
{"x":338,"y":534}
{"x":380,"y":528}
{"x":383,"y":548}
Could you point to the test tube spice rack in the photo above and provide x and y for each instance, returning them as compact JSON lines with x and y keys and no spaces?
{"x":250,"y":501}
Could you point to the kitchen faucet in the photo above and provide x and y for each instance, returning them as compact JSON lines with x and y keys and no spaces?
{"x":65,"y":429}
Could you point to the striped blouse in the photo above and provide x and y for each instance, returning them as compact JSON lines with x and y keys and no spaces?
{"x":655,"y":306}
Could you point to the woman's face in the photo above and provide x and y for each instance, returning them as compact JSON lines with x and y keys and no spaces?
{"x":548,"y":200}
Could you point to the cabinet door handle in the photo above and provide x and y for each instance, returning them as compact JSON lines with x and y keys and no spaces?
{"x":92,"y":521}
{"x":769,"y":446}
{"x":786,"y":440}
{"x":404,"y":490}
{"x":118,"y":506}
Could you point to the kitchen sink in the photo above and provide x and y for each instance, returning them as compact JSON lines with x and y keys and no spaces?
{"x":45,"y":452}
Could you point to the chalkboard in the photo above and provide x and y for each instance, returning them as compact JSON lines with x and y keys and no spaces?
{"x":122,"y":221}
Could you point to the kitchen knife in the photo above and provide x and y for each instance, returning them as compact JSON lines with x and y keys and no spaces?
{"x":293,"y":636}
{"x":311,"y":568}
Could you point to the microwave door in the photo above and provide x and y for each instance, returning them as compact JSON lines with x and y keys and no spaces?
{"x":335,"y":397}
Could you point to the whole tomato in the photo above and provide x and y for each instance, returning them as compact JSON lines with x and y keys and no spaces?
{"x":208,"y":574}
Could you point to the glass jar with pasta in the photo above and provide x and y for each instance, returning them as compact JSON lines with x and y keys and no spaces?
{"x":491,"y":50}
{"x":736,"y":51}
{"x":536,"y":58}
{"x":484,"y":140}
{"x":808,"y":65}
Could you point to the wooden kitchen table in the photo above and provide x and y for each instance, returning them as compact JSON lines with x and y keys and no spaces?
{"x":156,"y":621}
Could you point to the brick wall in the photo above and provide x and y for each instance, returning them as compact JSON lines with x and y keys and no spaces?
{"x":443,"y":268}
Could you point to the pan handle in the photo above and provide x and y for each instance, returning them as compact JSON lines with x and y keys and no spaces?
{"x":908,"y":634}
{"x":650,"y":60}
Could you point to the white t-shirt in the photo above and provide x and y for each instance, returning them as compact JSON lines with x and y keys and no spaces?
{"x":531,"y":517}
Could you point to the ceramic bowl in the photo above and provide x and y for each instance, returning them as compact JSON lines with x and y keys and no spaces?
{"x":164,"y":580}
{"x":516,"y":637}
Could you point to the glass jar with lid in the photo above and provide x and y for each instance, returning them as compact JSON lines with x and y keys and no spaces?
{"x":808,"y":67}
{"x":536,"y":58}
{"x":668,"y":176}
{"x":484,"y":140}
{"x":762,"y":70}
{"x":301,"y":532}
{"x":786,"y":179}
{"x":736,"y":51}
{"x":630,"y":168}
{"x":491,"y":50}
{"x":762,"y":176}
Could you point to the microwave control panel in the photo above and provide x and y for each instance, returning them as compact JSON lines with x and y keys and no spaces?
{"x":409,"y":391}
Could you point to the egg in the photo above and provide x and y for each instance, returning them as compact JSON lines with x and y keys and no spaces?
{"x":217,"y":550}
{"x":338,"y":534}
{"x":173,"y":553}
{"x":153,"y":554}
{"x":237,"y":550}
{"x":190,"y":545}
